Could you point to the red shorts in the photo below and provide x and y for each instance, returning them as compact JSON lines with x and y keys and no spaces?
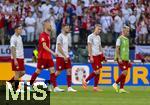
{"x":45,"y":63}
{"x":97,"y":62}
{"x":124,"y":65}
{"x":20,"y":66}
{"x":61,"y":64}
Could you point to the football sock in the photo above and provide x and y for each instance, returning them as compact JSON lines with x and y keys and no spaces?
{"x":122,"y":81}
{"x":69,"y":80}
{"x":119,"y":78}
{"x":90,"y":76}
{"x":96,"y":80}
{"x":53,"y":79}
{"x":34,"y":76}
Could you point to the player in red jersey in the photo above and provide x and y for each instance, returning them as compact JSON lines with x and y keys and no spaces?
{"x":62,"y":60}
{"x":45,"y":56}
{"x":96,"y":57}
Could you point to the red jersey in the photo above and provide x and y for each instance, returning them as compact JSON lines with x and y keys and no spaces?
{"x":42,"y":53}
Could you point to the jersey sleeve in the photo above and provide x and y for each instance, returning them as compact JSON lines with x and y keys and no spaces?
{"x":118,"y":42}
{"x":42,"y":39}
{"x":12,"y":42}
{"x":59,"y":40}
{"x":89,"y":39}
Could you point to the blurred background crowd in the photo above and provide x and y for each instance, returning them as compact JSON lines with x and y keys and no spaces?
{"x":82,"y":15}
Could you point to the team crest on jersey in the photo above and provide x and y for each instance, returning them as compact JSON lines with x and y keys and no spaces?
{"x":97,"y":66}
{"x":42,"y":66}
{"x":43,"y":39}
{"x":59,"y":67}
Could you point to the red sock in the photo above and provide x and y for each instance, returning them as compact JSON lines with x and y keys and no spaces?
{"x":69,"y":80}
{"x":90,"y":76}
{"x":11,"y":80}
{"x":96,"y":80}
{"x":119,"y":78}
{"x":33,"y":78}
{"x":122,"y":81}
{"x":53,"y":79}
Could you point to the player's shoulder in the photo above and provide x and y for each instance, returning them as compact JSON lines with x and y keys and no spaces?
{"x":91,"y":35}
{"x":60,"y":35}
{"x":42,"y":34}
{"x":13,"y":37}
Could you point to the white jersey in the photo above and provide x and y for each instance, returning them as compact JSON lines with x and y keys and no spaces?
{"x":63,"y":40}
{"x":95,"y":40}
{"x":16,"y":41}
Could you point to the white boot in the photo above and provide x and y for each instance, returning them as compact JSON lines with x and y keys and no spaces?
{"x":70,"y":89}
{"x":57,"y":89}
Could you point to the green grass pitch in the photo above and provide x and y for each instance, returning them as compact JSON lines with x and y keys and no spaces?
{"x":137,"y":96}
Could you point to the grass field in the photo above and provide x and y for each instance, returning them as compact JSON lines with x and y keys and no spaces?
{"x":137,"y":96}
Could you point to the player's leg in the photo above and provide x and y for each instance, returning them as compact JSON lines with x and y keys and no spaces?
{"x":96,"y":81}
{"x":53,"y":80}
{"x":84,"y":82}
{"x":69,"y":81}
{"x":122,"y":82}
{"x":96,"y":66}
{"x":16,"y":78}
{"x":34,"y":76}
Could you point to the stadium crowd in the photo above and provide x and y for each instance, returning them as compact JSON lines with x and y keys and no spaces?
{"x":81,"y":15}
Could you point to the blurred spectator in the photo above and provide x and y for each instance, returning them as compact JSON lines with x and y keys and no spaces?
{"x":79,"y":10}
{"x":2,"y":26}
{"x":132,"y":23}
{"x":39,"y":25}
{"x":45,"y":7}
{"x":81,"y":15}
{"x":52,"y":18}
{"x":141,"y":30}
{"x":95,"y":7}
{"x":106,"y":21}
{"x":118,"y":25}
{"x":30,"y":27}
{"x":58,"y":9}
{"x":69,"y":8}
{"x":126,"y":13}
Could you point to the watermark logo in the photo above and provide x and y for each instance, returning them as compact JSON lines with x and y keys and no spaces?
{"x":38,"y":91}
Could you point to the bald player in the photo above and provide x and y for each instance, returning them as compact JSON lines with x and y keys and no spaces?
{"x":45,"y":60}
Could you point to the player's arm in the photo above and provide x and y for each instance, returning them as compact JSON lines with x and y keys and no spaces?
{"x":13,"y":50}
{"x":61,"y":50}
{"x":90,"y":52}
{"x":47,"y":49}
{"x":118,"y":50}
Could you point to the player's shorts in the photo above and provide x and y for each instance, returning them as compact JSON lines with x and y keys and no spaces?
{"x":45,"y":63}
{"x":61,"y":64}
{"x":124,"y":65}
{"x":20,"y":66}
{"x":97,"y":62}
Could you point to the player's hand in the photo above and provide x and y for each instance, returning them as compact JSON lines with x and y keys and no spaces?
{"x":66,"y":59}
{"x":119,"y":60}
{"x":56,"y":55}
{"x":16,"y":62}
{"x":91,"y":59}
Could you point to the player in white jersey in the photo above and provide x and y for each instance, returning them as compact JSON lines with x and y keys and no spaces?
{"x":62,"y":60}
{"x":95,"y":56}
{"x":17,"y":56}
